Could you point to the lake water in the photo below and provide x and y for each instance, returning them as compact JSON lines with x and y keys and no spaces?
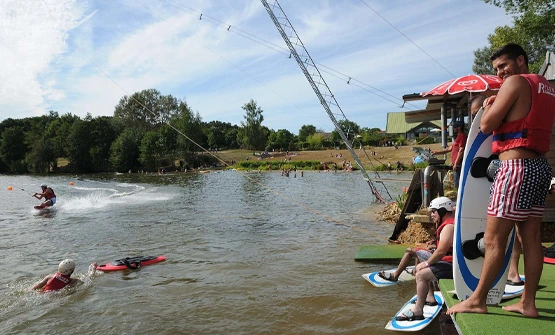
{"x":247,"y":253}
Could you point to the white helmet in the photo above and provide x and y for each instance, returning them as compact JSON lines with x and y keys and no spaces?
{"x":442,"y":202}
{"x":66,"y":266}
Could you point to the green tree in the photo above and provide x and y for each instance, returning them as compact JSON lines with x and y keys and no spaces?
{"x":371,"y":136}
{"x":190,"y":126}
{"x":305,"y":131}
{"x":13,"y":149}
{"x":315,"y":141}
{"x":231,"y":136}
{"x":252,"y":135}
{"x":78,"y":146}
{"x":125,"y":150}
{"x":146,"y":109}
{"x":149,"y":150}
{"x":102,"y":134}
{"x":533,"y":26}
{"x":281,"y":139}
{"x":41,"y":156}
{"x":216,"y":134}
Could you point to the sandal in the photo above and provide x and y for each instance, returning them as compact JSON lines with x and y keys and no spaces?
{"x":427,"y":303}
{"x":410,"y":270}
{"x":408,"y":315}
{"x":387,"y":276}
{"x":515,"y":283}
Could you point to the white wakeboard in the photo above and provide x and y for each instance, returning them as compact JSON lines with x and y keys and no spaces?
{"x":378,"y":281}
{"x":470,"y":219}
{"x":511,"y":291}
{"x":430,"y":312}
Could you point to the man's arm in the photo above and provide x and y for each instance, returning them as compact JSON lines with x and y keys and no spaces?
{"x":509,"y":93}
{"x":41,"y":284}
{"x":444,"y":151}
{"x":445,"y":243}
{"x":459,"y":157}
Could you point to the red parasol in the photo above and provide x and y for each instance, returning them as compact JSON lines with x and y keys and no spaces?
{"x":470,"y":83}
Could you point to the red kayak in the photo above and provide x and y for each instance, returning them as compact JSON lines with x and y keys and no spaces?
{"x":131,"y":263}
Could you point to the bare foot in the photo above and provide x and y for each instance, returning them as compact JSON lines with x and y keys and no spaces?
{"x":467,"y":306}
{"x":519,"y":308}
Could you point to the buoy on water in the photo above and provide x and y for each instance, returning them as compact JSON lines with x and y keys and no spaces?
{"x":10,"y":188}
{"x":71,"y":183}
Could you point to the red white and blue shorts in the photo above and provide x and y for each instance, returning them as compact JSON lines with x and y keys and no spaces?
{"x":519,"y":189}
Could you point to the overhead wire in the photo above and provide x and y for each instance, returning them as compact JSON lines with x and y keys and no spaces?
{"x":297,"y":203}
{"x":408,"y":38}
{"x":348,"y":79}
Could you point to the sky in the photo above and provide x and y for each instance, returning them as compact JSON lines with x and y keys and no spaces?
{"x":83,"y":56}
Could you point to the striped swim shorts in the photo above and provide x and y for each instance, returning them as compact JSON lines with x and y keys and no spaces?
{"x":519,"y":189}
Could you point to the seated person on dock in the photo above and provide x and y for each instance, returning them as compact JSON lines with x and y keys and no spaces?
{"x":419,"y":254}
{"x":439,"y":264}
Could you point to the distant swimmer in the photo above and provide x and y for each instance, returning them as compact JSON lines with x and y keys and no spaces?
{"x":48,"y":194}
{"x":62,"y":278}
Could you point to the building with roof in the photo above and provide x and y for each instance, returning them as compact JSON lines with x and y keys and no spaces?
{"x":397,"y":125}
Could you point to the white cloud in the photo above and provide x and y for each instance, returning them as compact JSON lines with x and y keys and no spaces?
{"x":74,"y":56}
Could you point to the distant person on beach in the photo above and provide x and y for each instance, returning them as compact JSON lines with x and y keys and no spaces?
{"x":48,"y":194}
{"x":456,"y":149}
{"x":62,"y":278}
{"x":433,"y":265}
{"x":399,"y":166}
{"x":521,"y":118}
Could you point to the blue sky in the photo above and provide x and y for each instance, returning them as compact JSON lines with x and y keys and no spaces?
{"x":79,"y":57}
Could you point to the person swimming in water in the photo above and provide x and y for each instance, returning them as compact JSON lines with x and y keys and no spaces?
{"x":62,"y":278}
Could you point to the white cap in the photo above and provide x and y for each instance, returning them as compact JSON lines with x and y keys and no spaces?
{"x":66,"y":266}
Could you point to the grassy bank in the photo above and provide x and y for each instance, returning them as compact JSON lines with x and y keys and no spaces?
{"x":310,"y":160}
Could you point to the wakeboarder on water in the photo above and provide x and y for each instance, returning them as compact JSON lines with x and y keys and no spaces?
{"x":48,"y":194}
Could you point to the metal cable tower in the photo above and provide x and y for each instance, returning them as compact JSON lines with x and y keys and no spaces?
{"x":317,"y":82}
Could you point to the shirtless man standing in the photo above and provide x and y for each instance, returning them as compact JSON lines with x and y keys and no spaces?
{"x":521,"y":118}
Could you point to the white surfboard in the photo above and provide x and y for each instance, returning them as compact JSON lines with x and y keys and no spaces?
{"x":430,"y":312}
{"x":378,"y":281}
{"x":470,"y":219}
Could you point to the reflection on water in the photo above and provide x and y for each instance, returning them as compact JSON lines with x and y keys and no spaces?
{"x":250,"y":254}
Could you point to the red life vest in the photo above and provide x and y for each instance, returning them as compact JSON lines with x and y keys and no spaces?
{"x":449,"y":256}
{"x":58,"y":282}
{"x":532,"y":132}
{"x":49,"y":196}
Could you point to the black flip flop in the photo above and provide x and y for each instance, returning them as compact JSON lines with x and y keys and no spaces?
{"x":386,"y":276}
{"x":514,"y":283}
{"x":409,"y":316}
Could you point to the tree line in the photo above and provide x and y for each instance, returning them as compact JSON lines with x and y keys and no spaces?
{"x":148,"y":131}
